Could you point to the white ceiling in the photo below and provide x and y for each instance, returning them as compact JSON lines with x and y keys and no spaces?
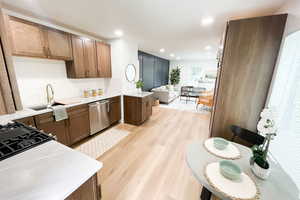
{"x":174,"y":25}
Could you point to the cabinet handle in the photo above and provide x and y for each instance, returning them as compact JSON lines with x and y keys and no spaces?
{"x":108,"y":107}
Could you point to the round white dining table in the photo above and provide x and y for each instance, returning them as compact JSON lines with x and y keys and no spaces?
{"x":278,"y":186}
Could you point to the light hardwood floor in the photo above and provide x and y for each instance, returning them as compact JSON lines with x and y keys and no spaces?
{"x":149,"y":164}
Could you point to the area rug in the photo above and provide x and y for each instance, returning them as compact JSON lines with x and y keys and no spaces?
{"x":99,"y":144}
{"x":185,"y":105}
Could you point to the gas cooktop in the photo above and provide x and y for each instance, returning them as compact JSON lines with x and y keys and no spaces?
{"x":17,"y":137}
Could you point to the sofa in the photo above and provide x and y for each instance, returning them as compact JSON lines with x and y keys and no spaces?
{"x":165,"y":94}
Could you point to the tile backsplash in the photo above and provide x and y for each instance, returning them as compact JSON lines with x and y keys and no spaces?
{"x":34,"y":74}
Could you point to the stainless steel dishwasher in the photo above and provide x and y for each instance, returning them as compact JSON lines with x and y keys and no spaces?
{"x":99,"y":118}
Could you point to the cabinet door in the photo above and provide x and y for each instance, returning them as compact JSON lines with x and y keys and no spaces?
{"x":26,"y":38}
{"x":76,"y":68}
{"x":104,"y":60}
{"x":58,"y":44}
{"x":47,"y":123}
{"x":149,"y":106}
{"x":90,"y":60}
{"x":114,"y":110}
{"x":79,"y":123}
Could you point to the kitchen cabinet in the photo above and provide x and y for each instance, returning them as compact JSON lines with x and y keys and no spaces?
{"x":90,"y":60}
{"x":137,"y":109}
{"x":245,"y":72}
{"x":27,"y":38}
{"x":104,"y":60}
{"x":87,"y":191}
{"x":34,"y":40}
{"x":29,"y":121}
{"x":58,"y":44}
{"x":84,"y":64}
{"x":114,"y":109}
{"x":76,"y":68}
{"x":47,"y":123}
{"x":78,"y":123}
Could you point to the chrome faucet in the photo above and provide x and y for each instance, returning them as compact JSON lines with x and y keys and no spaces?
{"x":50,"y":95}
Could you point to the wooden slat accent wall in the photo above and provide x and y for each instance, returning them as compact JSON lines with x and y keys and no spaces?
{"x":250,"y":54}
{"x":6,"y":99}
{"x":7,"y":53}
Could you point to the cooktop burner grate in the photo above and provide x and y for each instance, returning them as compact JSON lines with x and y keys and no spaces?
{"x":17,"y":137}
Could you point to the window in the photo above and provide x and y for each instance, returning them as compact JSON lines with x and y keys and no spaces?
{"x":285,"y":96}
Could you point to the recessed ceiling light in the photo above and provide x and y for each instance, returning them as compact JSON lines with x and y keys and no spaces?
{"x":208,"y":47}
{"x":162,"y":50}
{"x":207,"y":21}
{"x":178,"y":58}
{"x":84,"y":38}
{"x":119,"y":33}
{"x":172,"y":55}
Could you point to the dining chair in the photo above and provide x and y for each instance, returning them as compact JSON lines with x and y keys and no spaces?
{"x":185,"y":91}
{"x":246,"y":135}
{"x":205,"y":99}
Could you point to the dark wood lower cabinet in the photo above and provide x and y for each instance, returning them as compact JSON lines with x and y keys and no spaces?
{"x":78,"y":123}
{"x":137,"y":110}
{"x":115,"y":109}
{"x":76,"y":127}
{"x":87,"y":191}
{"x":47,"y":123}
{"x":29,"y":121}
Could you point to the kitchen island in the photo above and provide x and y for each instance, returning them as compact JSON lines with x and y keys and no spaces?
{"x":50,"y":171}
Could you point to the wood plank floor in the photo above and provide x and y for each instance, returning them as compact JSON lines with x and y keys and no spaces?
{"x":149,"y":164}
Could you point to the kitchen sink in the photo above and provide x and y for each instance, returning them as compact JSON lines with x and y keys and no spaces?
{"x":43,"y":107}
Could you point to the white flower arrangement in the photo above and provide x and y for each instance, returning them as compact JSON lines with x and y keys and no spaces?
{"x":266,"y":124}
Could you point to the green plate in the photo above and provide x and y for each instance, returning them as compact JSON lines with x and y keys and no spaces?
{"x":220,"y":143}
{"x":230,"y":170}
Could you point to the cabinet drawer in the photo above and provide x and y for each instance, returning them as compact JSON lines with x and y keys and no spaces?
{"x":29,"y":121}
{"x":47,"y":123}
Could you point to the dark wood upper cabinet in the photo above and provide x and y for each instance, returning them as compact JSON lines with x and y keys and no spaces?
{"x":84,"y":64}
{"x":59,"y":44}
{"x":47,"y":123}
{"x":34,"y":40}
{"x":103,"y":60}
{"x":246,"y":69}
{"x":90,"y":58}
{"x":76,"y":67}
{"x":79,"y":123}
{"x":27,"y":39}
{"x":85,"y":58}
{"x":115,"y":109}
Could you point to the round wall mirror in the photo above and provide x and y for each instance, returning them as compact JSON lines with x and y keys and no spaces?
{"x":130,"y":73}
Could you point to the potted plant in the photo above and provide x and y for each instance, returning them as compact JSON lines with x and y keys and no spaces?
{"x":175,"y":76}
{"x":266,"y":127}
{"x":139,"y":85}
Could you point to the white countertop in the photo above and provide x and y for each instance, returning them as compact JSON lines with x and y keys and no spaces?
{"x":50,"y":171}
{"x":138,"y":94}
{"x":27,"y":112}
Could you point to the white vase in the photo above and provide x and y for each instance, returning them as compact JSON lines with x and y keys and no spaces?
{"x":139,"y":90}
{"x":260,"y":172}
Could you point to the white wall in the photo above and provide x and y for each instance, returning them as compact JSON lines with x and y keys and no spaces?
{"x":34,"y":74}
{"x":283,"y":95}
{"x":292,"y":8}
{"x":186,"y":68}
